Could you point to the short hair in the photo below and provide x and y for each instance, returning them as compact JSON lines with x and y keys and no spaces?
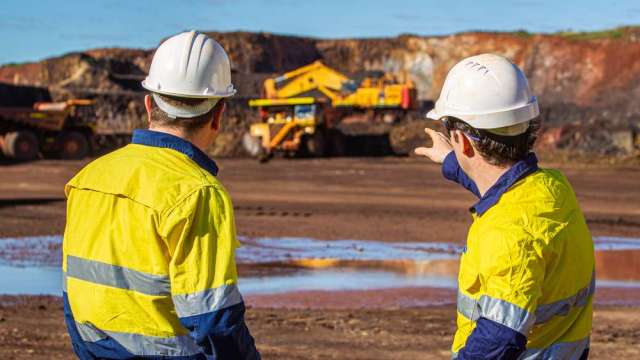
{"x":501,"y":150}
{"x":188,"y":125}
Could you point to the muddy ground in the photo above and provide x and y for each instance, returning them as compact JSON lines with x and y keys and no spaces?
{"x":389,"y":199}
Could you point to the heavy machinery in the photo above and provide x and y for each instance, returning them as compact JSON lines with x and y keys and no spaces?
{"x":301,"y":110}
{"x":49,"y":128}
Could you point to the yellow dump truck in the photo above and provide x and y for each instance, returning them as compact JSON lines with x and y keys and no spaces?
{"x":301,"y":110}
{"x":49,"y":128}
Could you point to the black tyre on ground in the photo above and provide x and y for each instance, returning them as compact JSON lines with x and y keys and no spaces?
{"x":314,"y":145}
{"x":20,"y":145}
{"x":406,"y":136}
{"x":336,"y":143}
{"x":74,"y":145}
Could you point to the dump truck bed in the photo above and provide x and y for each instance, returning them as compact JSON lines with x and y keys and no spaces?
{"x":46,"y":120}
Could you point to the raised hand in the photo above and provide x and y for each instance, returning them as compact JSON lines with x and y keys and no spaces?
{"x":440,"y":148}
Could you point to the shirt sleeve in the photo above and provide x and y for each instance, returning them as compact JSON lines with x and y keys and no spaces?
{"x":513,"y":273}
{"x":491,"y":340}
{"x":451,"y":170}
{"x":201,"y":237}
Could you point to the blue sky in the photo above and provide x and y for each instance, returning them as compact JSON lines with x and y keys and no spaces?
{"x":34,"y":29}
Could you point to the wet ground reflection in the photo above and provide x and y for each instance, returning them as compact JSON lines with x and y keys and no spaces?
{"x":285,"y":265}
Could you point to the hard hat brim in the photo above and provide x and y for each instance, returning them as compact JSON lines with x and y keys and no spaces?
{"x":179,"y":112}
{"x":188,"y":94}
{"x":495,"y":119}
{"x":432,"y":115}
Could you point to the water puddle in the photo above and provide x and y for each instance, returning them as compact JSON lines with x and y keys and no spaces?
{"x":339,"y":280}
{"x":277,"y":266}
{"x":40,"y":280}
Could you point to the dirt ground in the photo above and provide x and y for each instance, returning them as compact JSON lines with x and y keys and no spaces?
{"x":33,"y":328}
{"x":388,"y":199}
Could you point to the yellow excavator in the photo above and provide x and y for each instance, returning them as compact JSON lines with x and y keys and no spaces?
{"x":301,"y":109}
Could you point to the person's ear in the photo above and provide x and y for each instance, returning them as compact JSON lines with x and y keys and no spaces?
{"x":217,"y":116}
{"x":147,"y":105}
{"x":467,"y":148}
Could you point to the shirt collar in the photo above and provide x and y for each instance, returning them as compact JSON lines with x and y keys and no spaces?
{"x":518,"y":171}
{"x":164,"y":140}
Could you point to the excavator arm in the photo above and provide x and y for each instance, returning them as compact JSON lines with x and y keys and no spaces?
{"x":315,"y":76}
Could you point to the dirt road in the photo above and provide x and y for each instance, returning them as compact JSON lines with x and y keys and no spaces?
{"x":389,"y":199}
{"x":386,"y":199}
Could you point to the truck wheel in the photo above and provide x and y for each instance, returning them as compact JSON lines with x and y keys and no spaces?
{"x":314,"y":145}
{"x":337,"y":142}
{"x":73,"y":145}
{"x":406,"y":136}
{"x":20,"y":145}
{"x":253,"y":146}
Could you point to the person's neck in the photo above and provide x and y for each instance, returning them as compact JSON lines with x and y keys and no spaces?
{"x":486,"y":175}
{"x":195,"y":139}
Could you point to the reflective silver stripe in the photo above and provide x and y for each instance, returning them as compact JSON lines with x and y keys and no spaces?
{"x":64,"y":281}
{"x":117,"y":276}
{"x":561,"y":351}
{"x":142,"y":345}
{"x":467,"y":306}
{"x":500,"y":311}
{"x":207,"y":301}
{"x":454,"y":356}
{"x":506,"y":313}
{"x":89,"y":332}
{"x":546,"y":312}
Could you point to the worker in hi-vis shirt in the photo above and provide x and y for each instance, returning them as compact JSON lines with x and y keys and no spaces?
{"x":148,"y":252}
{"x":526,"y":280}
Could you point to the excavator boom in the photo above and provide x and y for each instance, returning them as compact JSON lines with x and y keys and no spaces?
{"x":315,"y":76}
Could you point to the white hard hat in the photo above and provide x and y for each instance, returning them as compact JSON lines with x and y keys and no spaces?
{"x":190,"y":65}
{"x":488,"y":92}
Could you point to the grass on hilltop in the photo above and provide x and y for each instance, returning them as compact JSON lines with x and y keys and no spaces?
{"x":616,"y":33}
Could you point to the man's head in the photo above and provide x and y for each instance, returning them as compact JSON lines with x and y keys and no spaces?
{"x":473,"y":146}
{"x":189,"y":79}
{"x":489,"y":112}
{"x":205,"y":125}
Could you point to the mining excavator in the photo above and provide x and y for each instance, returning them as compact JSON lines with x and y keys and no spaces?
{"x":301,"y":110}
{"x":56,"y":128}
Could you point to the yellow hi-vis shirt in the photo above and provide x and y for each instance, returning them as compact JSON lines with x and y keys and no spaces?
{"x":528,"y":264}
{"x":149,"y":242}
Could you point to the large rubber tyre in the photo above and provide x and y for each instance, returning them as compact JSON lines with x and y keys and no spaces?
{"x":253,"y":146}
{"x":74,"y":145}
{"x":21,"y":145}
{"x":314,"y":145}
{"x":337,"y":143}
{"x":408,"y":135}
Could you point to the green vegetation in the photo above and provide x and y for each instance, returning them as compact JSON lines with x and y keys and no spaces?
{"x":617,"y":33}
{"x":622,"y":32}
{"x":521,"y":33}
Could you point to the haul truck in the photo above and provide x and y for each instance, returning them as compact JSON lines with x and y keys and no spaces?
{"x":55,"y":128}
{"x":302,"y":109}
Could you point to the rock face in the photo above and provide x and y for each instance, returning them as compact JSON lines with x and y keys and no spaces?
{"x":585,"y":82}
